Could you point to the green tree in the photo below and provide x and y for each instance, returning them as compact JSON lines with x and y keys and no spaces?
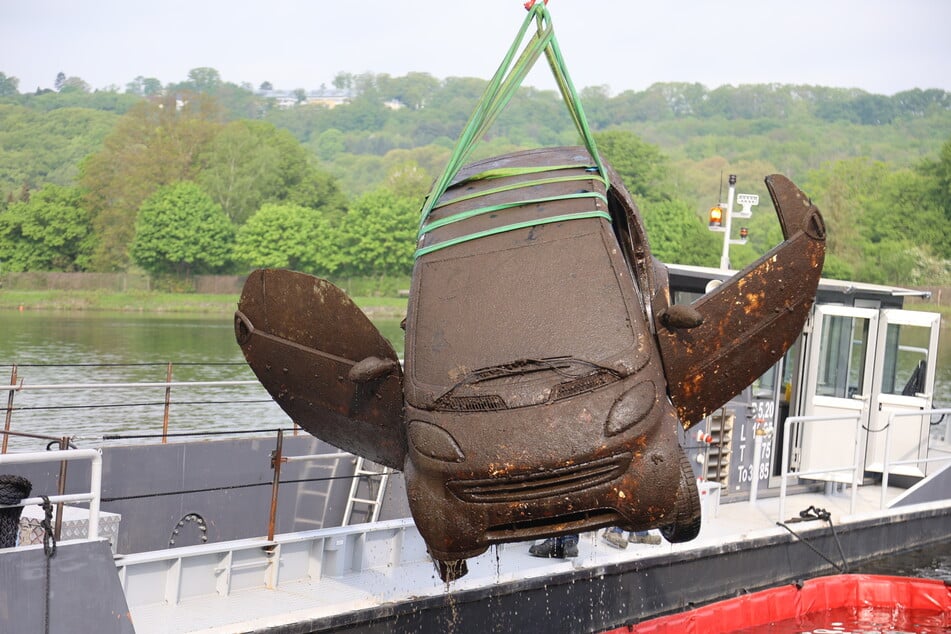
{"x":9,"y":86}
{"x":250,"y":163}
{"x":677,"y":235}
{"x":155,"y":144}
{"x":288,"y":236}
{"x":378,"y":234}
{"x":641,"y":165}
{"x":50,"y":231}
{"x":180,"y":230}
{"x":204,"y":80}
{"x":144,"y":86}
{"x":938,"y":171}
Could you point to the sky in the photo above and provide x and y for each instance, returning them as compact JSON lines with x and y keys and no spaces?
{"x":879,"y":46}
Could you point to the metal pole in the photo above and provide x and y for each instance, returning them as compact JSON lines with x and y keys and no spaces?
{"x":725,"y":256}
{"x":61,"y":488}
{"x":9,"y":414}
{"x":276,"y":459}
{"x":168,"y":401}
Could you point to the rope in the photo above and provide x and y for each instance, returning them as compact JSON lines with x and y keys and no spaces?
{"x":501,"y":88}
{"x":813,"y":513}
{"x":49,"y":549}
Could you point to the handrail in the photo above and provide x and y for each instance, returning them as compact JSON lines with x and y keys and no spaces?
{"x":17,"y":385}
{"x":888,"y":432}
{"x":784,"y":474}
{"x":95,"y":481}
{"x":133,"y":385}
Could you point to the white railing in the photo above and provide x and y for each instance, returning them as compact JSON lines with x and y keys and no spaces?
{"x":95,"y":480}
{"x":854,"y":467}
{"x":915,"y":461}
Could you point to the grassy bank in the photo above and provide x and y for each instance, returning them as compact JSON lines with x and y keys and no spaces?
{"x":155,"y":302}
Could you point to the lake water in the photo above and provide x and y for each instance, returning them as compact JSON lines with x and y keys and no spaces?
{"x":80,"y":347}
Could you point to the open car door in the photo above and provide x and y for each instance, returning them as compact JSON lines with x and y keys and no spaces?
{"x":750,"y":320}
{"x":324,"y":362}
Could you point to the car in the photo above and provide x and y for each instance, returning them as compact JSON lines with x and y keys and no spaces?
{"x":547,"y":373}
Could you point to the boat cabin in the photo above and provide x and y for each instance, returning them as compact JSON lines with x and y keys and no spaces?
{"x":862,"y":363}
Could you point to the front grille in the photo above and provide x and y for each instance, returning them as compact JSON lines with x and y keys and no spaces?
{"x":533,"y":486}
{"x":486,"y":403}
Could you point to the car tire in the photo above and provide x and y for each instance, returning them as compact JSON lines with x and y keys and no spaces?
{"x":686,"y":524}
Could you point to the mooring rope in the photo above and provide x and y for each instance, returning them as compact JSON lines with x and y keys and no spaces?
{"x":813,"y":513}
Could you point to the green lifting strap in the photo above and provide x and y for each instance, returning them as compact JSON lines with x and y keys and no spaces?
{"x":503,"y":85}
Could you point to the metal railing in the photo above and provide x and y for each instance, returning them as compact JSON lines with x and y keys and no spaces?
{"x":887,"y":464}
{"x":854,"y":467}
{"x":94,"y":495}
{"x":17,"y":386}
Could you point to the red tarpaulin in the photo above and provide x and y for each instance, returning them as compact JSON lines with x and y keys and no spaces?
{"x":793,"y":602}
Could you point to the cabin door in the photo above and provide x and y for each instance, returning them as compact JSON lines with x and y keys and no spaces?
{"x":904,"y":381}
{"x":839,"y":369}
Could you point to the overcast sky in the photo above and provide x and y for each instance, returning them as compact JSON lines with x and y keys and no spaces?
{"x":882,"y":46}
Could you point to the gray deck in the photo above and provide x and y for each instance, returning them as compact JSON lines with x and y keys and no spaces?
{"x":378,"y":577}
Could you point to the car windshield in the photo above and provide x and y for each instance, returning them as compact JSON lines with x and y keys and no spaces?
{"x":556,"y":295}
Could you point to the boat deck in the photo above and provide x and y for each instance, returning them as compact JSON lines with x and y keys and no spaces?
{"x":366,"y":576}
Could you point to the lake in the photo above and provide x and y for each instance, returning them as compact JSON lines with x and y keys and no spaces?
{"x":80,"y":348}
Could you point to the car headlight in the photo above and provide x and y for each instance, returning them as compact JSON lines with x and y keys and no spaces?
{"x":631,"y":408}
{"x":434,"y":441}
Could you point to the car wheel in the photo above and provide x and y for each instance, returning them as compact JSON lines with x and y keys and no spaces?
{"x":686,"y":524}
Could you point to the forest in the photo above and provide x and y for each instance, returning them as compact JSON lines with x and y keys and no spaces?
{"x":209,"y":176}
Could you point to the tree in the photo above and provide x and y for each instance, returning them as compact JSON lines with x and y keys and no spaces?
{"x":180,"y":230}
{"x":252,"y":162}
{"x":49,"y":231}
{"x":677,"y":235}
{"x":9,"y":86}
{"x":60,"y":80}
{"x":378,"y":234}
{"x":938,"y":171}
{"x":144,"y":86}
{"x":204,"y":80}
{"x":154,"y":144}
{"x":641,"y":165}
{"x":288,"y":236}
{"x":74,"y":84}
{"x":266,"y":85}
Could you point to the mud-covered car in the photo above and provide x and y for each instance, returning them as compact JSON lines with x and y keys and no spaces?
{"x":546,"y":371}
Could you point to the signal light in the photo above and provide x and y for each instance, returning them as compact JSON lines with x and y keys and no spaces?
{"x":716,"y":216}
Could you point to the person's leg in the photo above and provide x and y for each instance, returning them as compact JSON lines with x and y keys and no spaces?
{"x":644,"y":537}
{"x":615,"y":537}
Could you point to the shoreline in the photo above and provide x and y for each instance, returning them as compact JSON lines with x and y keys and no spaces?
{"x":156,"y":302}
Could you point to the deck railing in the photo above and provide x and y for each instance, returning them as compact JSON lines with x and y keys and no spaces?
{"x":17,"y":385}
{"x":93,"y":496}
{"x":854,"y":467}
{"x":888,"y":464}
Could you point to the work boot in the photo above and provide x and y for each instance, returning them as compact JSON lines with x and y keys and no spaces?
{"x":569,"y":548}
{"x":615,"y":538}
{"x":554,"y":547}
{"x":647,"y":538}
{"x":548,"y":548}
